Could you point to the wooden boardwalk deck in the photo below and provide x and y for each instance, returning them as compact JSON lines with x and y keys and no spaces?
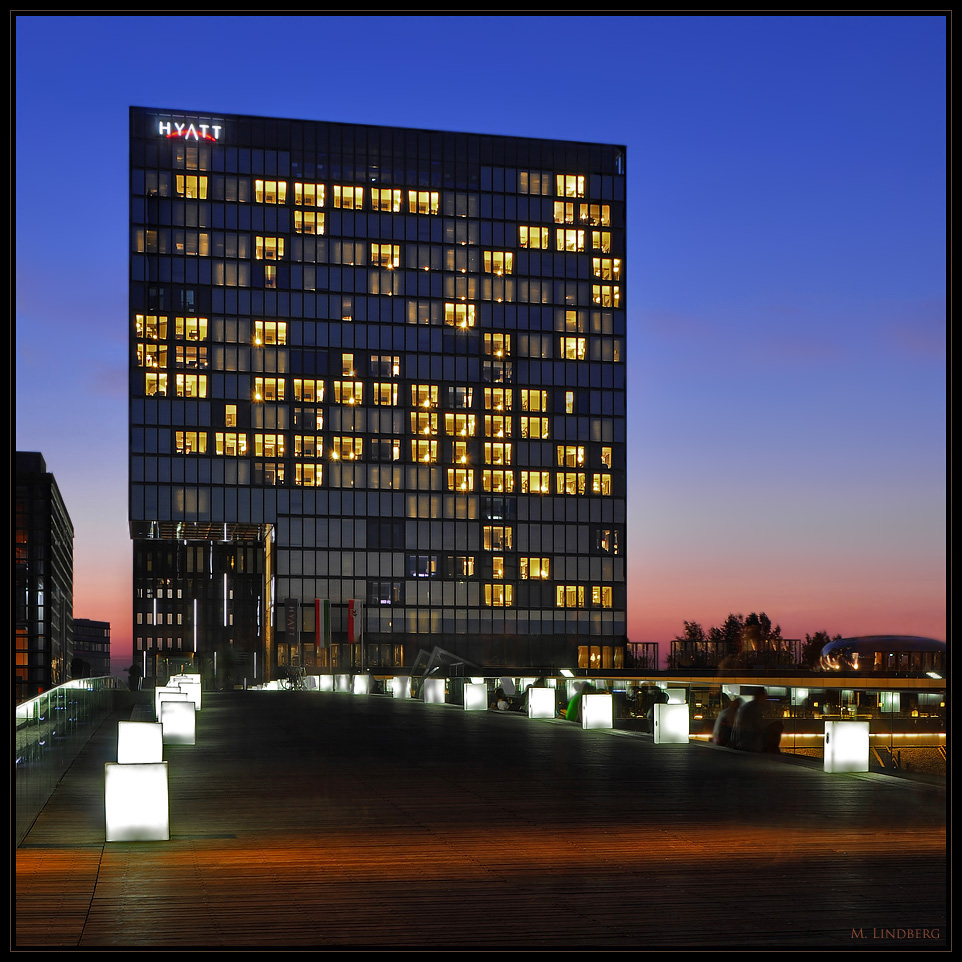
{"x":306,"y":819}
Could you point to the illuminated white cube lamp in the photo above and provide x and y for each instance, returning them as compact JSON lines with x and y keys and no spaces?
{"x":343,"y":682}
{"x":676,"y":696}
{"x":178,"y":719}
{"x":541,"y":702}
{"x":846,"y":746}
{"x":139,"y":742}
{"x":433,"y":691}
{"x":362,"y":685}
{"x":190,"y":684}
{"x":167,"y":694}
{"x":401,"y":686}
{"x":135,"y":802}
{"x":671,"y":724}
{"x":325,"y":683}
{"x":597,"y":711}
{"x":475,"y":696}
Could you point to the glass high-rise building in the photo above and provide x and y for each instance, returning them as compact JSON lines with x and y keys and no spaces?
{"x":377,"y":396}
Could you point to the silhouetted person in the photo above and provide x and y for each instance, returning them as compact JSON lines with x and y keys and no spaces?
{"x":751,"y":732}
{"x":725,"y":722}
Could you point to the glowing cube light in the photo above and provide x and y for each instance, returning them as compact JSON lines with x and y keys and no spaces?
{"x":676,"y":696}
{"x":433,"y":691}
{"x":190,"y":684}
{"x":167,"y":694}
{"x":475,"y":696}
{"x":846,"y":746}
{"x":139,"y":742}
{"x":671,"y":724}
{"x":401,"y":686}
{"x":325,"y":683}
{"x":178,"y":720}
{"x":136,"y":803}
{"x":343,"y":683}
{"x":541,"y":703}
{"x":597,"y":711}
{"x":362,"y":684}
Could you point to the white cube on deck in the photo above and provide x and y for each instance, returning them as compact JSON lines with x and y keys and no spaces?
{"x":362,"y":684}
{"x":433,"y":691}
{"x":343,"y":683}
{"x":671,"y":724}
{"x":846,"y":746}
{"x":597,"y":711}
{"x":139,"y":742}
{"x":167,"y":694}
{"x":179,"y":721}
{"x":541,"y":703}
{"x":401,"y":686}
{"x":135,"y":802}
{"x":475,"y":696}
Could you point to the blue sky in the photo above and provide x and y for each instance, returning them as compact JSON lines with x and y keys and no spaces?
{"x":786,"y":284}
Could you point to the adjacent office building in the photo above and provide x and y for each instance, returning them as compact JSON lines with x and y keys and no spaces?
{"x":91,"y":648}
{"x":43,"y":579}
{"x":377,"y":396}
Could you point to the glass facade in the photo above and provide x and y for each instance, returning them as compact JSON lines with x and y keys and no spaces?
{"x":382,"y":369}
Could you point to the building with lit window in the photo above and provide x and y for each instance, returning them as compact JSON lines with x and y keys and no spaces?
{"x":43,"y":579}
{"x":91,"y":648}
{"x":377,"y":396}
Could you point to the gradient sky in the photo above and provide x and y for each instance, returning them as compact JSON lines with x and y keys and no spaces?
{"x":786,"y":284}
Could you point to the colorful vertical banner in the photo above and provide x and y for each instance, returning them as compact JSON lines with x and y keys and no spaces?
{"x":355,"y":621}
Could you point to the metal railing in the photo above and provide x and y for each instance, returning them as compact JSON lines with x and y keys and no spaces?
{"x":51,"y":730}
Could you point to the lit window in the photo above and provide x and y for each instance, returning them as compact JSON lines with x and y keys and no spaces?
{"x":385,"y":255}
{"x":230,"y":443}
{"x":499,"y":595}
{"x":573,"y":348}
{"x":498,"y":262}
{"x":426,"y":425}
{"x":497,"y":452}
{"x":191,"y":186}
{"x":308,"y":389}
{"x":598,"y":215}
{"x":270,"y":333}
{"x":152,"y":355}
{"x":270,"y":191}
{"x":606,"y":540}
{"x":606,"y":456}
{"x":346,"y":449}
{"x":569,"y":240}
{"x":570,"y":185}
{"x":424,"y":395}
{"x":152,"y":327}
{"x":534,"y":568}
{"x":347,"y":365}
{"x":308,"y":222}
{"x":498,"y":345}
{"x":570,"y":596}
{"x":190,"y":442}
{"x":498,"y":482}
{"x":607,"y":268}
{"x":606,"y":295}
{"x":497,"y":426}
{"x":571,"y":455}
{"x":268,"y":472}
{"x":268,"y":389}
{"x":190,"y":328}
{"x":535,"y":238}
{"x":535,"y":482}
{"x":459,"y":424}
{"x":534,"y":182}
{"x":460,"y":397}
{"x":386,"y":449}
{"x":564,"y":213}
{"x":497,"y":566}
{"x":191,"y":355}
{"x":269,"y":445}
{"x":268,"y":248}
{"x":497,"y":537}
{"x":348,"y":392}
{"x":459,"y":315}
{"x":308,"y":446}
{"x":230,"y":415}
{"x":497,"y":399}
{"x":569,"y":402}
{"x":426,"y":452}
{"x":385,"y":392}
{"x":423,"y":201}
{"x":532,"y":400}
{"x":270,"y":277}
{"x":601,"y":484}
{"x":384,"y":198}
{"x":307,"y":475}
{"x":601,"y":241}
{"x":348,"y":198}
{"x":601,"y":596}
{"x":309,"y":195}
{"x":191,"y":385}
{"x":570,"y":482}
{"x":460,"y":479}
{"x":534,"y":428}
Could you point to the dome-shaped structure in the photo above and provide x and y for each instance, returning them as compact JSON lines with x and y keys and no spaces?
{"x":902,"y":653}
